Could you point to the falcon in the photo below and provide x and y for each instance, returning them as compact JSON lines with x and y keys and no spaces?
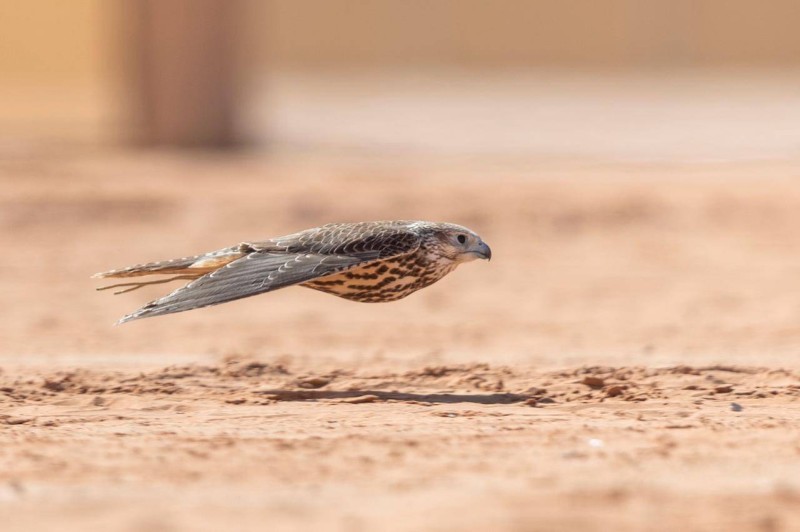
{"x":369,"y":262}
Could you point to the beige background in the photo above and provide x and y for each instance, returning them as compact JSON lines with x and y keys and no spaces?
{"x":627,"y":361}
{"x":79,"y":41}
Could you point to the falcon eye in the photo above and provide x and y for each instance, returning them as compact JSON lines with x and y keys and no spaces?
{"x":461,"y":239}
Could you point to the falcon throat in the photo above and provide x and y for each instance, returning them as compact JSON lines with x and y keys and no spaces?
{"x":368,"y":262}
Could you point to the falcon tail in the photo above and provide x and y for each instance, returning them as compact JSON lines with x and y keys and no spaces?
{"x":174,"y":266}
{"x":185,"y":269}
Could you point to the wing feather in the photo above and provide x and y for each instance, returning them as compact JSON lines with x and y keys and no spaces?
{"x":253,"y":274}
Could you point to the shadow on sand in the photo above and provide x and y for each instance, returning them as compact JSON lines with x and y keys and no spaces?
{"x":375,"y":396}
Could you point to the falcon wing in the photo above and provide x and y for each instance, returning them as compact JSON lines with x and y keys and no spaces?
{"x":264,"y":270}
{"x":252,"y":274}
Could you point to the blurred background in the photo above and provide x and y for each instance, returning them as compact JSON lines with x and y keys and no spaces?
{"x":512,"y":77}
{"x":632,"y":163}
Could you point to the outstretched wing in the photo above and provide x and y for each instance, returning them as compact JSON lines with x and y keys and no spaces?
{"x":253,"y":274}
{"x":266,"y":270}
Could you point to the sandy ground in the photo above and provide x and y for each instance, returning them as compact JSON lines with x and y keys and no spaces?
{"x":628,"y":360}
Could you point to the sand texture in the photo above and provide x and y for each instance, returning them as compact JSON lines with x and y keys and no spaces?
{"x":628,"y":360}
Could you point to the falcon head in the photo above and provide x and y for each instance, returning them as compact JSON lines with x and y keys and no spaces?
{"x":460,"y":244}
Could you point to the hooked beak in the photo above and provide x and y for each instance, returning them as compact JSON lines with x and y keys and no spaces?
{"x":483,"y":251}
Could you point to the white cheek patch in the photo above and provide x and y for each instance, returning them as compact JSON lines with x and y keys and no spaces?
{"x":467,"y":257}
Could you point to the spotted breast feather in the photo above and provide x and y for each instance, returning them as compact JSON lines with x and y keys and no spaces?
{"x":382,"y":280}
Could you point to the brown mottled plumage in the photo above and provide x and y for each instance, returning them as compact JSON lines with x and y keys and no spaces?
{"x":370,"y":262}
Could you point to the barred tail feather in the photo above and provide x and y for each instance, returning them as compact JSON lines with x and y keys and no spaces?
{"x":195,"y":265}
{"x":166,"y":267}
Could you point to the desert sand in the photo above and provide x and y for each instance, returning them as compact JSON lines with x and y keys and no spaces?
{"x":627,"y":361}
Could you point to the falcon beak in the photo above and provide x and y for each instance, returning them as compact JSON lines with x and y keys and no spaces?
{"x":483,"y":251}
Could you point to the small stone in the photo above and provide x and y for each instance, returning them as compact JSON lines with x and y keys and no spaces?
{"x":313,"y":382}
{"x":360,"y":399}
{"x":613,"y":391}
{"x":98,"y":401}
{"x":593,"y":382}
{"x":736,"y":407}
{"x":18,"y":420}
{"x":726,"y":388}
{"x":530,"y":402}
{"x":535,"y":390}
{"x":54,"y":386}
{"x":236,"y":401}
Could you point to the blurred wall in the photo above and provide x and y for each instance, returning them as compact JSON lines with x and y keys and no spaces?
{"x":44,"y":40}
{"x":47,"y":40}
{"x":521,"y":33}
{"x":63,"y":63}
{"x":57,"y":68}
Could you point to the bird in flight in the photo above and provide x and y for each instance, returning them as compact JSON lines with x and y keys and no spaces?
{"x":370,"y":262}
